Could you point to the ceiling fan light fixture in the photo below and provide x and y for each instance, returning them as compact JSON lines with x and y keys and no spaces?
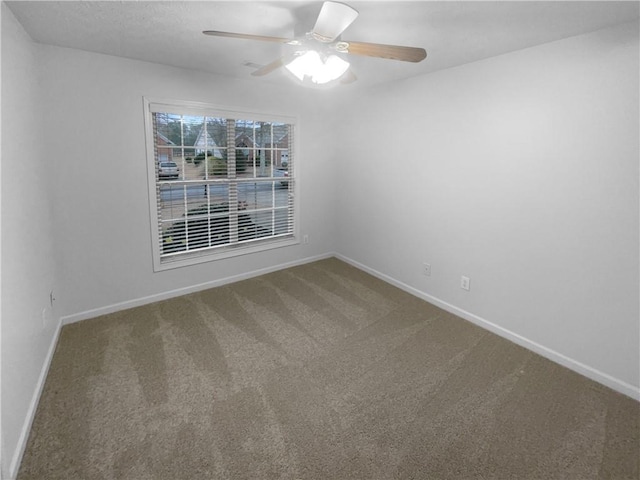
{"x":333,"y":68}
{"x":318,"y":55}
{"x":303,"y":65}
{"x":311,"y":64}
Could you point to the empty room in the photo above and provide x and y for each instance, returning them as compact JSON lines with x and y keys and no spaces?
{"x":320,"y":240}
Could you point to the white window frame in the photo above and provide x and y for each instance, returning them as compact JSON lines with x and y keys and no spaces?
{"x":184,"y":107}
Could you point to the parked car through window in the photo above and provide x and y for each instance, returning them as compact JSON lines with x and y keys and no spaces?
{"x":168,"y":170}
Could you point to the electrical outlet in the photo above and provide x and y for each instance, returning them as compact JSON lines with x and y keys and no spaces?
{"x":426,"y":269}
{"x":305,"y":239}
{"x":465,"y":283}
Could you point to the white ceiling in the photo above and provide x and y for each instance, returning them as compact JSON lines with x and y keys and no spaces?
{"x":452,"y":32}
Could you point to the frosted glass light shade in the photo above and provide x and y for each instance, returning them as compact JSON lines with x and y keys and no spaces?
{"x":305,"y":65}
{"x":311,"y":64}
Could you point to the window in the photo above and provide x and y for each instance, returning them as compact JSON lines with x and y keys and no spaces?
{"x":221,"y":182}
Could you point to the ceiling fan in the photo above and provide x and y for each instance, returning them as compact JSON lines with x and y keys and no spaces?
{"x":318,"y":55}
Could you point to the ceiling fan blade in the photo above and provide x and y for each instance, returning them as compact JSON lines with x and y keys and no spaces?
{"x":333,"y":19}
{"x":245,"y":36}
{"x":268,"y":68}
{"x":394,"y":52}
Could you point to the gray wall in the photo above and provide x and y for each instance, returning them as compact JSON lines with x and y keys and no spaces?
{"x":520,"y":172}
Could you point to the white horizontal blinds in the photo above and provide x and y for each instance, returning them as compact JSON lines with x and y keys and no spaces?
{"x":154,"y":121}
{"x":291,"y":166}
{"x":234,"y":184}
{"x":213,"y":226}
{"x":263,"y":202}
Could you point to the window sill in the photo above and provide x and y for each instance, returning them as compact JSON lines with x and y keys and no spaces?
{"x":203,"y":256}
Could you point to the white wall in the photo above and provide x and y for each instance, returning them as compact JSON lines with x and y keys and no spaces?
{"x":521,"y":172}
{"x":27,"y":236}
{"x":74,"y":171}
{"x":95,"y":135}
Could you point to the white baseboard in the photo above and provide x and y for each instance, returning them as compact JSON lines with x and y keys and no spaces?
{"x":33,"y":406}
{"x":137,"y":302}
{"x":589,"y":372}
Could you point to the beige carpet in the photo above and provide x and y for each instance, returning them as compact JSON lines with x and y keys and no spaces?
{"x":317,"y":372}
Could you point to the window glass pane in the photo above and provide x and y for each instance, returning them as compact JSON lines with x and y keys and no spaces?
{"x":244,"y":133}
{"x":253,"y":138}
{"x":209,"y":225}
{"x":217,"y":133}
{"x":209,"y":147}
{"x":191,"y":129}
{"x":198,"y":231}
{"x":207,"y":218}
{"x":164,"y":154}
{"x":176,"y":200}
{"x":217,"y":193}
{"x":280,"y":145}
{"x":216,"y":166}
{"x":254,"y":225}
{"x":242,"y":164}
{"x":262,"y":133}
{"x":256,"y":195}
{"x":282,"y":158}
{"x":190,"y":167}
{"x":282,"y":221}
{"x":260,"y":166}
{"x":209,"y":194}
{"x":171,"y":199}
{"x":283,"y":196}
{"x":167,"y":129}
